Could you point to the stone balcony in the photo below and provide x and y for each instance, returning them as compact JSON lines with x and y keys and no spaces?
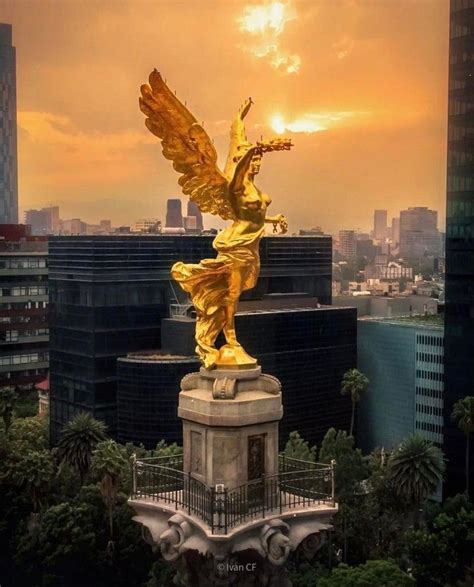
{"x":299,"y":489}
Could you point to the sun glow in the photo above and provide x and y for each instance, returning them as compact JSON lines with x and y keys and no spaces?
{"x":264,"y":18}
{"x":310,"y":123}
{"x":264,"y":24}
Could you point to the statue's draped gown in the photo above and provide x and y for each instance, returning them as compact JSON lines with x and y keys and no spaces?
{"x":206,"y":281}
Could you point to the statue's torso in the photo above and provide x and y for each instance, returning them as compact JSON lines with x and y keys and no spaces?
{"x":248,"y":227}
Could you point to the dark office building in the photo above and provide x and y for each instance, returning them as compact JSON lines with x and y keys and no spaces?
{"x":174,"y":214}
{"x":8,"y":148}
{"x":109,"y":294}
{"x":459,"y":307}
{"x":193,"y":210}
{"x":147,"y":397}
{"x":308,"y":348}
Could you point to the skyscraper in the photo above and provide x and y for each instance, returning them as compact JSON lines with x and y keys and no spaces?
{"x":174,"y":215}
{"x":347,"y":243}
{"x":380,"y":224}
{"x":419,"y":236}
{"x":396,"y":230}
{"x":395,"y":406}
{"x":193,"y":210}
{"x":44,"y":221}
{"x":459,"y":316}
{"x":8,"y":151}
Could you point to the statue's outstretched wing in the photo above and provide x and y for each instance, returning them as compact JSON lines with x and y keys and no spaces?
{"x":187,"y":144}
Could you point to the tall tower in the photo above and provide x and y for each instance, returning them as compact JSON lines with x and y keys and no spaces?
{"x":8,"y":149}
{"x":380,"y":224}
{"x":193,"y":210}
{"x":419,"y":234}
{"x":174,"y":215}
{"x":347,"y":243}
{"x":459,"y":314}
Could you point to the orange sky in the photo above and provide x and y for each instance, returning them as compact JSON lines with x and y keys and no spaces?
{"x":370,"y":76}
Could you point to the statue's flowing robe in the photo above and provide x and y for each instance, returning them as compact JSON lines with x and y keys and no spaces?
{"x":208,"y":281}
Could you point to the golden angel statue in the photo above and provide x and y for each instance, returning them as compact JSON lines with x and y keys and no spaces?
{"x":215,"y":285}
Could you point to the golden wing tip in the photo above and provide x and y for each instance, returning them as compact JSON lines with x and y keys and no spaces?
{"x":155,"y":74}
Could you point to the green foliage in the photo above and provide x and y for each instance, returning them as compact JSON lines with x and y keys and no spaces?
{"x":61,"y":550}
{"x":297,"y":448}
{"x":304,"y":573}
{"x":441,"y":553}
{"x":166,"y":450}
{"x":416,"y":469}
{"x":354,"y":384}
{"x":29,"y":433}
{"x":161,"y":574}
{"x":69,"y":541}
{"x":32,"y":470}
{"x":351,"y":466}
{"x":8,"y":399}
{"x":110,"y":463}
{"x":79,"y":438}
{"x":463,"y":414}
{"x":69,"y":546}
{"x":109,"y":458}
{"x":27,"y":405}
{"x":374,"y":573}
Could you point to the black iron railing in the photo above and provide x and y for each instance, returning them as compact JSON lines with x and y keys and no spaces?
{"x":297,"y":485}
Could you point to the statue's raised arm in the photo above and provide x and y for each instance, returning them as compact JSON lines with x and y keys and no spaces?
{"x":215,"y":285}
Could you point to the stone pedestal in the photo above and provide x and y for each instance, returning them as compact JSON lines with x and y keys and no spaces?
{"x":229,"y":513}
{"x":230,"y":425}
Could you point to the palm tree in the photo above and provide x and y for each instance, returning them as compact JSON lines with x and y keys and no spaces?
{"x":109,"y":463}
{"x":415,"y":470}
{"x":354,"y":384}
{"x":8,"y":398}
{"x":79,"y":438}
{"x":463,"y":415}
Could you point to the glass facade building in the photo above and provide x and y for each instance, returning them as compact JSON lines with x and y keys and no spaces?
{"x":8,"y":140}
{"x":147,"y":397}
{"x":459,"y":305}
{"x":396,"y":406}
{"x":109,"y":294}
{"x":309,"y":350}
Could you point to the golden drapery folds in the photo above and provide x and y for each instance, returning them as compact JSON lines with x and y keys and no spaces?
{"x":215,"y":285}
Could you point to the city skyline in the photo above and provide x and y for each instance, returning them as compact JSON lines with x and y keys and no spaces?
{"x":83,"y":146}
{"x":36,"y":217}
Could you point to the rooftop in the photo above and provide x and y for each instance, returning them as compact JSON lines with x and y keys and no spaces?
{"x":429,"y":321}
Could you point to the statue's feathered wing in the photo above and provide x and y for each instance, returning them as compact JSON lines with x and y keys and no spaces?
{"x":187,"y":144}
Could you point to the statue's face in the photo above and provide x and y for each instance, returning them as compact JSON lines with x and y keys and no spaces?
{"x":255,"y":164}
